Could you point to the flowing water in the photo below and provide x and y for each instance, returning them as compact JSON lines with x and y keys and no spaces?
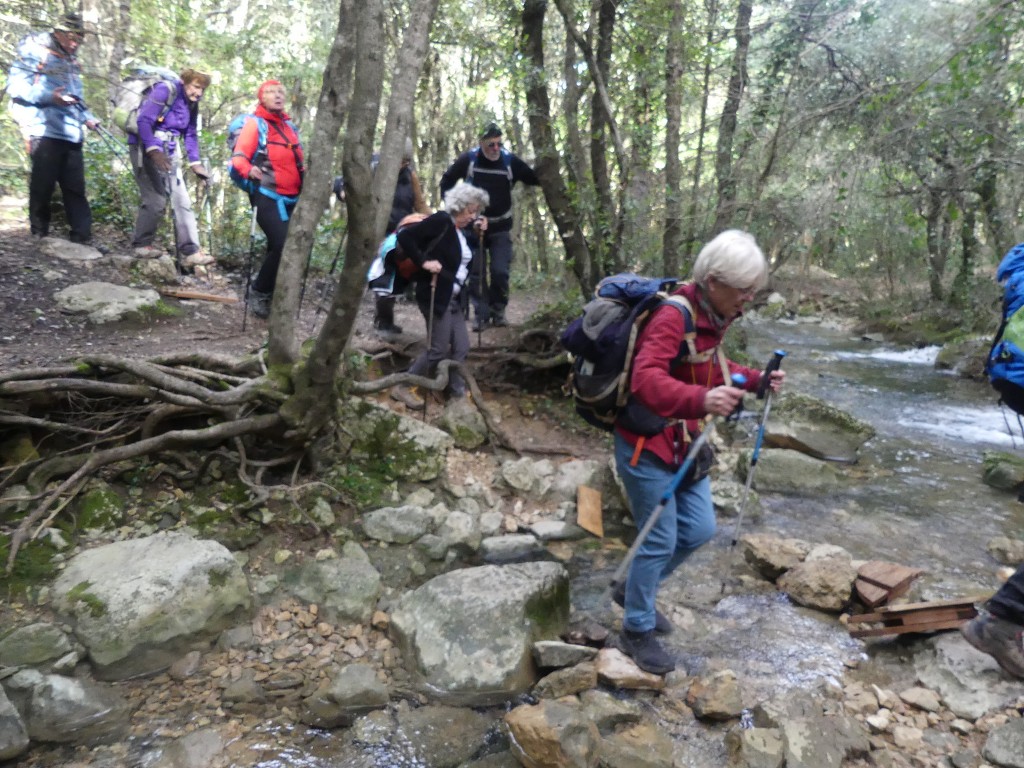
{"x":915,"y":497}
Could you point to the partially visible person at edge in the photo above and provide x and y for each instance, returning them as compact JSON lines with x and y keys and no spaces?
{"x":998,"y":630}
{"x":438,"y":246}
{"x":279,"y":175}
{"x":408,"y":199}
{"x":728,"y":273}
{"x":156,"y":163}
{"x":45,"y":86}
{"x":495,"y":170}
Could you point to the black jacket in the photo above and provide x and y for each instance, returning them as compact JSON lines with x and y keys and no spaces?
{"x":492,"y":177}
{"x":433,"y":238}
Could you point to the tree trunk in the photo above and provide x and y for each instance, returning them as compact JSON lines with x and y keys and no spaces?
{"x":724,"y":170}
{"x":672,"y":239}
{"x":935,"y":218}
{"x":548,"y":164}
{"x":319,"y":153}
{"x":368,"y":195}
{"x":690,"y":239}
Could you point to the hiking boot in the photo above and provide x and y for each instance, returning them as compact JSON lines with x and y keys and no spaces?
{"x":148,"y":252}
{"x":479,"y":324}
{"x":259,"y":303}
{"x":385,"y":326}
{"x":1001,"y":639}
{"x":408,"y":398}
{"x":646,"y":652}
{"x":498,"y":318}
{"x":661,"y":623}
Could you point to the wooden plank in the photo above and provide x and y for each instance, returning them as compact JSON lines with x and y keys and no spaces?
{"x":881,"y":582}
{"x":871,"y":595}
{"x":932,"y":627}
{"x":588,"y":510}
{"x":185,"y":293}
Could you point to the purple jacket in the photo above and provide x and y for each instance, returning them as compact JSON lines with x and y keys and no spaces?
{"x":179,"y":121}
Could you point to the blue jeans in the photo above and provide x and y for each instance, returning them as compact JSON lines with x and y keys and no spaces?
{"x":687,"y":522}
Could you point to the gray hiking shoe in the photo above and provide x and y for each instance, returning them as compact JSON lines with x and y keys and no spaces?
{"x":646,"y":651}
{"x":1000,"y":639}
{"x":661,"y":623}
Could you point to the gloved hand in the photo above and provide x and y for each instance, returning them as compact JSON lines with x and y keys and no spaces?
{"x":160,"y":161}
{"x":200,"y":170}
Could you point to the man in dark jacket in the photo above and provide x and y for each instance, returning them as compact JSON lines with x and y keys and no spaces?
{"x":45,"y":86}
{"x":495,"y":170}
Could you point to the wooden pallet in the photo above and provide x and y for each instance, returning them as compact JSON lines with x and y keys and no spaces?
{"x":879,"y":582}
{"x":913,"y":617}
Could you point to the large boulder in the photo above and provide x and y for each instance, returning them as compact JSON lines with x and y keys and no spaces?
{"x":105,"y":302}
{"x":137,"y":605}
{"x":468,"y":634}
{"x":413,"y":450}
{"x":346,"y":588}
{"x":812,"y":426}
{"x":785,"y":471}
{"x":13,"y":735}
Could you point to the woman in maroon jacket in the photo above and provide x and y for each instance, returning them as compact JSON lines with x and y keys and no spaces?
{"x":278,"y":168}
{"x":728,"y":273}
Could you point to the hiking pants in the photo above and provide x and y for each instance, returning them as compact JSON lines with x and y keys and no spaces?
{"x":268,"y":216}
{"x":55,"y":161}
{"x":153,"y":189}
{"x":499,"y":266}
{"x":1008,"y":602}
{"x":449,"y":341}
{"x":687,"y":522}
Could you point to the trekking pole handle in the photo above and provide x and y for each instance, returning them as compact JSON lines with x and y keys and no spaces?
{"x":738,"y":380}
{"x":766,"y":378}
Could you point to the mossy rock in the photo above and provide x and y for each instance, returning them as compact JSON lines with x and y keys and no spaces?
{"x":812,"y":426}
{"x":1004,"y":471}
{"x":398,"y":447}
{"x":101,"y":506}
{"x":965,"y":357}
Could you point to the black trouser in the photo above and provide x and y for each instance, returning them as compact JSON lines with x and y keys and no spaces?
{"x":384,"y":311}
{"x":499,"y":267}
{"x":1008,"y":602}
{"x":276,"y":229}
{"x":55,"y":161}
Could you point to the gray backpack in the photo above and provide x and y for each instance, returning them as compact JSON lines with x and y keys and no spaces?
{"x":134,"y":88}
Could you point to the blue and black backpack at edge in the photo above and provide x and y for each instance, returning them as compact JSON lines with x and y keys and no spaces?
{"x":1005,"y":364}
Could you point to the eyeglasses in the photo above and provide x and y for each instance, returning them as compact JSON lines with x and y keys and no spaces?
{"x":492,"y":145}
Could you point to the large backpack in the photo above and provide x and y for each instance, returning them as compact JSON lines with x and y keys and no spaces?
{"x":602,"y":343}
{"x":391,"y":270}
{"x":234,"y":129}
{"x":134,"y":88}
{"x":1005,"y":364}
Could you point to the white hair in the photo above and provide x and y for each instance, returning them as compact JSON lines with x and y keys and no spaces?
{"x":463,"y":195}
{"x":734,"y":258}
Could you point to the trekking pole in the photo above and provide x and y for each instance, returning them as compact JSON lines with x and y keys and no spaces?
{"x":738,"y":380}
{"x":430,"y":334}
{"x":764,"y":392}
{"x":252,"y":257}
{"x":208,"y":208}
{"x":481,"y":317}
{"x":330,"y":274}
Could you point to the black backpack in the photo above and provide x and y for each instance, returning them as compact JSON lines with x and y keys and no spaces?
{"x":602,"y":344}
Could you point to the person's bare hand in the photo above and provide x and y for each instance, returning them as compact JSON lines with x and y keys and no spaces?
{"x":255,"y":174}
{"x":721,"y":401}
{"x":160,"y":161}
{"x":433,"y":266}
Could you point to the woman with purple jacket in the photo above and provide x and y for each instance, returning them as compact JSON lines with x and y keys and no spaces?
{"x":169,"y":112}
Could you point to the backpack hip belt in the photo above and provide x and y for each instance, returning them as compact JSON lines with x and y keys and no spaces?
{"x":282,"y":201}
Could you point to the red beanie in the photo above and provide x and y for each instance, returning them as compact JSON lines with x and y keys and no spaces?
{"x":267,"y":84}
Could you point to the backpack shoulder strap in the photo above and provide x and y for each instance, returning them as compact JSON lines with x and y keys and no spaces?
{"x":172,"y":94}
{"x":506,"y":159}
{"x":474,"y":153}
{"x":690,"y":335}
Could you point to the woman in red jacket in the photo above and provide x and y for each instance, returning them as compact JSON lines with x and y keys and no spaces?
{"x":268,"y":151}
{"x":728,"y":273}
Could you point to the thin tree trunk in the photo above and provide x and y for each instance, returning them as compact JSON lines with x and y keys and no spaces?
{"x":690,"y":238}
{"x":724,"y":170}
{"x":672,"y":238}
{"x":548,"y":164}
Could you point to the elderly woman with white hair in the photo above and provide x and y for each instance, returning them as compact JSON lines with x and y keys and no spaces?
{"x":438,"y":246}
{"x":679,"y":389}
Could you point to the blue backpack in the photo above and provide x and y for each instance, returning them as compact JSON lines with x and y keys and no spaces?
{"x":474,"y":154}
{"x":602,"y":344}
{"x":1005,"y":364}
{"x":234,"y":129}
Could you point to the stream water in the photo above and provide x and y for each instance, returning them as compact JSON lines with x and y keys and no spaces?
{"x":915,"y":497}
